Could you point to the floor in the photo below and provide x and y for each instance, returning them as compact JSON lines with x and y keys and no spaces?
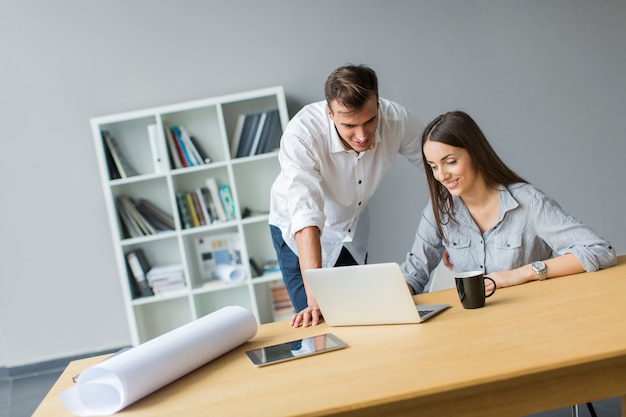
{"x":20,"y":396}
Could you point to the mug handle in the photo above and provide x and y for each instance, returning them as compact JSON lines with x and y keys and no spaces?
{"x":494,"y":287}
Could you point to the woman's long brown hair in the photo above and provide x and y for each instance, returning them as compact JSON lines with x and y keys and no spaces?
{"x":458,"y":129}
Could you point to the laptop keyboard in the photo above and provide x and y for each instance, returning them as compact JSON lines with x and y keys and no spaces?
{"x":424,"y":312}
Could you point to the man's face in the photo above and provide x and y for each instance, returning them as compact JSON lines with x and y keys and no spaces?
{"x":357,"y":128}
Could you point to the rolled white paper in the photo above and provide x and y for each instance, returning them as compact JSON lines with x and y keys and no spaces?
{"x":119,"y":381}
{"x":230,"y":273}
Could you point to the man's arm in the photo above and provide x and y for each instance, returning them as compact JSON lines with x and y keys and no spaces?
{"x":310,"y":257}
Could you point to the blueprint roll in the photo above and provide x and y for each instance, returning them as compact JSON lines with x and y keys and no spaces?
{"x":119,"y":381}
{"x":230,"y":273}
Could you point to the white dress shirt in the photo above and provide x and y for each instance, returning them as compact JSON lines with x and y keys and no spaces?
{"x":322,"y":184}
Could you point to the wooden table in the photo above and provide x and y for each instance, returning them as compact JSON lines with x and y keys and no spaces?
{"x":534,"y":347}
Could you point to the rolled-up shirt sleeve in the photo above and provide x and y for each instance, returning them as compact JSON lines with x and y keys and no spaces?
{"x":565,"y":234}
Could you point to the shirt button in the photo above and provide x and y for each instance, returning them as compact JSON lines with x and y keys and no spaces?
{"x":360,"y":181}
{"x":349,"y":230}
{"x":482,"y":267}
{"x":360,"y":203}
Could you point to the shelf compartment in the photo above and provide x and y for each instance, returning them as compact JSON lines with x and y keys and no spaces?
{"x":199,"y":261}
{"x":273,"y":301}
{"x":133,"y":142}
{"x":254,"y":180}
{"x":203,"y":124}
{"x":259,"y":243}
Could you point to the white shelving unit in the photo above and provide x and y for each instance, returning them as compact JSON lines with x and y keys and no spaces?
{"x":212,"y":122}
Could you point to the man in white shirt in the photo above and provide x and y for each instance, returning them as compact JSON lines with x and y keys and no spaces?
{"x":333,"y":156}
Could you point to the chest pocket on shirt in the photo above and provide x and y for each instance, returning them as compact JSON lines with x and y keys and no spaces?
{"x":507,"y":242}
{"x":457,"y":242}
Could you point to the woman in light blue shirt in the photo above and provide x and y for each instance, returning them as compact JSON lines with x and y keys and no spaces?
{"x":490,"y":219}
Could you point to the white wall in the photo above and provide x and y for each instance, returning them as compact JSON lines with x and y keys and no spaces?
{"x":546,"y":81}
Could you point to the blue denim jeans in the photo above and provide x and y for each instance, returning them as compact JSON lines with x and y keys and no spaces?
{"x":290,"y":267}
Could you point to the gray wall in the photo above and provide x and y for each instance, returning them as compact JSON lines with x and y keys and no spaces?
{"x":545,"y":79}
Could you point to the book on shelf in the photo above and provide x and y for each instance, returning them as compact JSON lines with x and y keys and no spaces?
{"x":211,"y":185}
{"x":256,"y":133}
{"x":206,"y":205}
{"x":142,"y":219}
{"x":234,"y":143}
{"x":159,"y":219}
{"x":247,"y":134}
{"x":210,"y":204}
{"x":201,"y":152}
{"x":124,"y":169}
{"x":158,"y":149}
{"x":195,"y":198}
{"x":270,"y":139}
{"x":172,"y":144}
{"x":113,"y":171}
{"x":164,"y":279}
{"x":129,"y":219}
{"x":255,"y":268}
{"x":195,"y":222}
{"x":187,"y":157}
{"x":183,"y":210}
{"x":282,"y":308}
{"x":203,"y":206}
{"x":139,"y":267}
{"x":220,"y":257}
{"x":227,"y":201}
{"x":185,"y":149}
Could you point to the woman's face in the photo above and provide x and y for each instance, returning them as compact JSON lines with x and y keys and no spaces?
{"x":451,"y":166}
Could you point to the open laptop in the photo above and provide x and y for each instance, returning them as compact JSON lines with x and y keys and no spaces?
{"x":366,"y":295}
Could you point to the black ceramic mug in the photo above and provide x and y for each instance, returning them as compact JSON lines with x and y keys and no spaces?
{"x":471,"y":288}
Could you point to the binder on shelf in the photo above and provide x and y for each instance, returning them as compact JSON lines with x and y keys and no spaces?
{"x":157,"y":147}
{"x":139,"y":268}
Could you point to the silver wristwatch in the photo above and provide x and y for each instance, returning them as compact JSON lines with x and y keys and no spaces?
{"x":540,"y":269}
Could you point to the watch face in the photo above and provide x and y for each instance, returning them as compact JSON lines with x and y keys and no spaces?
{"x":538,"y":266}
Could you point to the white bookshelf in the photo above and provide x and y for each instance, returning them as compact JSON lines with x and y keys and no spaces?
{"x":212,"y":122}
